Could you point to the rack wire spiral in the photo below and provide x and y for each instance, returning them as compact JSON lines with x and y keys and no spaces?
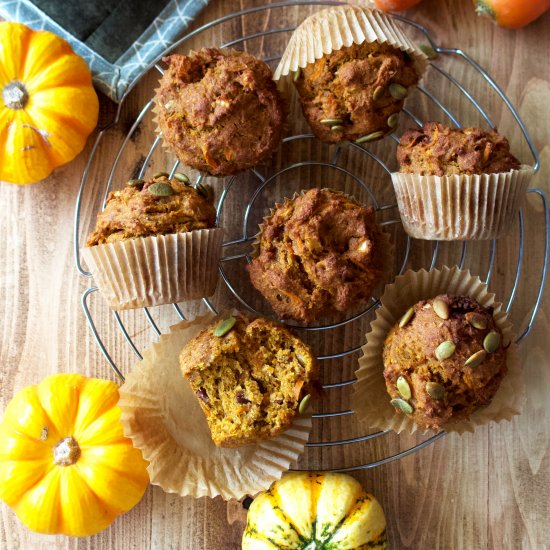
{"x":348,"y":168}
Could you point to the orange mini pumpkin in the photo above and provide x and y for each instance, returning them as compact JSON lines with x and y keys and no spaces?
{"x":65,"y":465}
{"x":48,"y":106}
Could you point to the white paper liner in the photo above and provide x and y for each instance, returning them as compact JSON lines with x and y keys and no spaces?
{"x":387,"y":248}
{"x":156,"y":270}
{"x":341,"y":26}
{"x":460,"y":207}
{"x":162,"y":417}
{"x":370,"y":399}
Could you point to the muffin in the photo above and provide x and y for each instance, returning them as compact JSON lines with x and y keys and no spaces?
{"x":443,"y":360}
{"x":156,"y":242}
{"x":317,"y":253}
{"x":441,"y":347}
{"x":352,"y":68}
{"x":439,"y":150}
{"x":356,"y":93}
{"x":458,"y":183}
{"x":250,"y":377}
{"x":219,"y":110}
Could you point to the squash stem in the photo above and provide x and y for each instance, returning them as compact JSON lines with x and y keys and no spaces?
{"x":15,"y":95}
{"x":66,"y":452}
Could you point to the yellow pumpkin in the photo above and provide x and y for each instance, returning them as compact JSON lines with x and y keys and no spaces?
{"x":65,"y":465}
{"x":315,"y":511}
{"x":48,"y":106}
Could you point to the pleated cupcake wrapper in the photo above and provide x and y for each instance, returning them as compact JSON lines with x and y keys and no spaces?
{"x":370,"y":400}
{"x":386,"y":246}
{"x":340,"y":26}
{"x":151,"y":271}
{"x":460,"y":207}
{"x":162,"y":417}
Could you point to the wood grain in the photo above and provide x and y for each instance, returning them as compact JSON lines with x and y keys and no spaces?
{"x":484,"y":490}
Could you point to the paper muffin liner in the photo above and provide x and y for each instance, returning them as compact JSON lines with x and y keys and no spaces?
{"x":340,"y":26}
{"x":370,"y":400}
{"x":460,"y":207}
{"x":162,"y":417}
{"x":386,"y":246}
{"x":156,"y":270}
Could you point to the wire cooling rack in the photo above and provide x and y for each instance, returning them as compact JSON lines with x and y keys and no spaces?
{"x":360,"y":170}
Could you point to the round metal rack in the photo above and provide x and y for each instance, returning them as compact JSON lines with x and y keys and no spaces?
{"x":339,"y":164}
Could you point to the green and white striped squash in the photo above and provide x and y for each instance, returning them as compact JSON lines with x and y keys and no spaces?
{"x":315,"y":511}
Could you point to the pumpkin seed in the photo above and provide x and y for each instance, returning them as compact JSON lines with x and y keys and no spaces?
{"x":393,"y":120}
{"x":402,"y":405}
{"x":428,"y":51}
{"x":301,"y":359}
{"x":435,"y":390}
{"x":136,"y":183}
{"x":378,"y":93}
{"x":182,"y":178}
{"x":369,"y":137}
{"x":476,"y":359}
{"x":407,"y":317}
{"x":204,"y":190}
{"x":445,"y":350}
{"x":441,"y":308}
{"x":304,"y":403}
{"x":403,"y":387}
{"x":223,"y":327}
{"x":161,"y":175}
{"x":397,"y":91}
{"x":296,"y":74}
{"x":476,"y":320}
{"x":491,"y":342}
{"x":331,"y":121}
{"x":337,"y":128}
{"x":161,"y":190}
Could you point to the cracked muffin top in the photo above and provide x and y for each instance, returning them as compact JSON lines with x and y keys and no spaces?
{"x":356,"y":93}
{"x":440,"y":150}
{"x":219,"y":111}
{"x":443,"y":360}
{"x":318,"y":253}
{"x":158,"y":206}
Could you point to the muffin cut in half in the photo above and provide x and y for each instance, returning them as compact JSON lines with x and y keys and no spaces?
{"x":250,"y":377}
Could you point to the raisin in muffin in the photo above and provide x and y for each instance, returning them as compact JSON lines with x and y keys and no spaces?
{"x":443,"y":360}
{"x":157,"y":206}
{"x":219,"y":110}
{"x":356,"y":93}
{"x":318,"y":253}
{"x":249,"y":377}
{"x":443,"y":151}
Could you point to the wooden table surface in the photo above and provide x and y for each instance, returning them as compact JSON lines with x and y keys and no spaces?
{"x":489,"y":489}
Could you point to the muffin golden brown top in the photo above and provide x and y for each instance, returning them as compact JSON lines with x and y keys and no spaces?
{"x":355,"y":92}
{"x":249,"y":377}
{"x":442,"y":151}
{"x":317,"y":253}
{"x":444,"y":360}
{"x":154,"y":207}
{"x":220,"y":111}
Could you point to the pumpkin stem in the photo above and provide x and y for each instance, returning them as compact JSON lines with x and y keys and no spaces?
{"x":15,"y":95}
{"x":66,"y":452}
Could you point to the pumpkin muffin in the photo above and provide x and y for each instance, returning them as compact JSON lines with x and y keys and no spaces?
{"x":157,"y":206}
{"x":443,"y":360}
{"x":219,"y":110}
{"x":318,"y":253}
{"x":250,"y":377}
{"x":356,"y":93}
{"x":443,"y":151}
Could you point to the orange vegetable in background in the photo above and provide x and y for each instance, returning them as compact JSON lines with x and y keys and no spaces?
{"x":395,"y":5}
{"x":512,"y":14}
{"x":65,"y":465}
{"x":48,"y":105}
